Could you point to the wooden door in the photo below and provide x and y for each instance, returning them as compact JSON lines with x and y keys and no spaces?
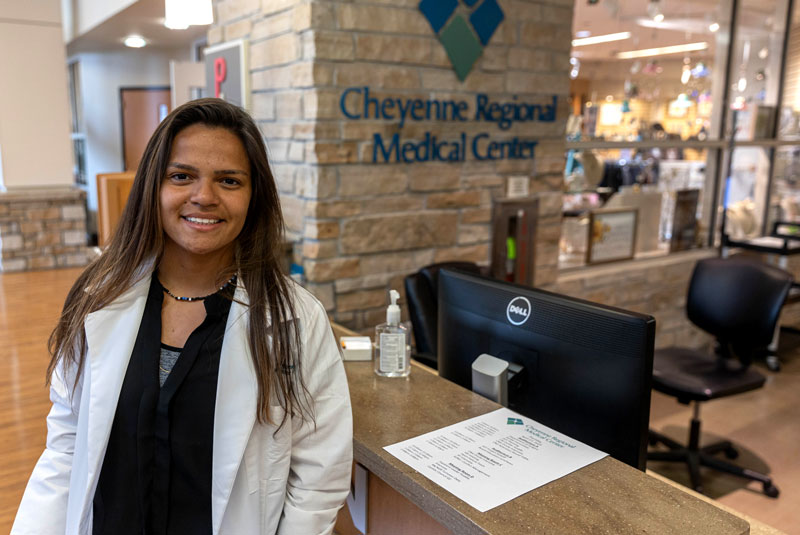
{"x":142,"y":111}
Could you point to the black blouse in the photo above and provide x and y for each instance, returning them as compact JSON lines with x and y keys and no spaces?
{"x":156,"y":474}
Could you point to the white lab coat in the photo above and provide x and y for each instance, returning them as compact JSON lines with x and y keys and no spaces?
{"x":291,"y":482}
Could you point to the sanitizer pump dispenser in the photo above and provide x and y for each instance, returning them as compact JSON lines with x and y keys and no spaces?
{"x":392,"y":350}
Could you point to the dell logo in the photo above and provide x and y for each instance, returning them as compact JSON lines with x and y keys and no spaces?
{"x":518,"y":310}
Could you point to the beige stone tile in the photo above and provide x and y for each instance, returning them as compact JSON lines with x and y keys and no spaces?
{"x":331,"y":269}
{"x":398,"y":232}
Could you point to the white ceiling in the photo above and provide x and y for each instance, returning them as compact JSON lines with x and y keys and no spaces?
{"x":145,"y":18}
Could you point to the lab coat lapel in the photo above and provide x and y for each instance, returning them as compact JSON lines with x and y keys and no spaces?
{"x":110,"y":335}
{"x":235,"y":409}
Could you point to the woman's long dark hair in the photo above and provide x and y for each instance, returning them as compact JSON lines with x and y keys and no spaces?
{"x":138,"y":242}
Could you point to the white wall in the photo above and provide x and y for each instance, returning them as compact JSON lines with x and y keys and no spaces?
{"x":34,"y":107}
{"x":89,"y":13}
{"x":101,"y":77}
{"x":31,"y":10}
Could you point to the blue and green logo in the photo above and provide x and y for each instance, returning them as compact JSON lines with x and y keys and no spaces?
{"x":464,"y":27}
{"x":514,"y":421}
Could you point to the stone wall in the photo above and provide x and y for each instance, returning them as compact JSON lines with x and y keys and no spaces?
{"x":656,"y":286}
{"x":43,"y":228}
{"x":283,"y":96}
{"x":362,"y":226}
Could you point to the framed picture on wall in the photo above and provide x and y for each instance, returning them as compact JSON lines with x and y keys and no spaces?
{"x":612,"y":235}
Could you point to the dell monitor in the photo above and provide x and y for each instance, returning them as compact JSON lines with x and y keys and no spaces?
{"x":586,"y":368}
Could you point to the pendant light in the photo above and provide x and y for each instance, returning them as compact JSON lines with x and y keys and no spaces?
{"x":180,"y":14}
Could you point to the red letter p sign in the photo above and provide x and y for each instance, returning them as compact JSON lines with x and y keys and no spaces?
{"x":220,"y":71}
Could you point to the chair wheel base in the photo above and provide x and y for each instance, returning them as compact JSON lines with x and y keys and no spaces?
{"x":773,"y":363}
{"x":695,"y":457}
{"x":731,"y":453}
{"x":771,"y":490}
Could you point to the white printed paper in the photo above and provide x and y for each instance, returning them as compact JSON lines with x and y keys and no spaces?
{"x":491,"y":459}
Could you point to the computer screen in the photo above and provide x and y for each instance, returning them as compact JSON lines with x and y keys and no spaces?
{"x":587,"y":368}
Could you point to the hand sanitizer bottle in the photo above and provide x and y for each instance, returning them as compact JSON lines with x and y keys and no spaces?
{"x":392,"y":352}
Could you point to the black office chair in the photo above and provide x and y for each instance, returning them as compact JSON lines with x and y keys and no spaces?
{"x":422,"y":299}
{"x":738,"y":301}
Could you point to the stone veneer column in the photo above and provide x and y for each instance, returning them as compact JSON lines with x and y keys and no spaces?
{"x":364,"y":226}
{"x":43,"y":228}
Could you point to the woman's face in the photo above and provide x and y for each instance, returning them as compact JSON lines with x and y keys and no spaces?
{"x":205,"y":193}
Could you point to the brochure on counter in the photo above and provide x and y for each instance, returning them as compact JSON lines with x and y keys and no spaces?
{"x":491,"y":459}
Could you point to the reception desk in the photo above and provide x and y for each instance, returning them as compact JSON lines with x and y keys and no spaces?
{"x":605,"y":497}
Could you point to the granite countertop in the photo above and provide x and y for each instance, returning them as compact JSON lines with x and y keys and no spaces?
{"x":605,"y":497}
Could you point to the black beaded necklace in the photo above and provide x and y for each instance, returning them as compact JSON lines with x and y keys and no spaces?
{"x":187,"y":299}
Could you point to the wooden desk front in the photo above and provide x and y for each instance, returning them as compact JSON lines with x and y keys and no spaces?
{"x":112,"y":194}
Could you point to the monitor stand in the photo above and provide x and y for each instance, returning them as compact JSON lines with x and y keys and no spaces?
{"x":491,"y":375}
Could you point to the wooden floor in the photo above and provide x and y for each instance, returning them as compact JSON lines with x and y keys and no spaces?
{"x":29,"y":307}
{"x":765,"y":423}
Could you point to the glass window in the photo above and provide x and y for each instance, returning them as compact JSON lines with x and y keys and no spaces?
{"x":76,"y":114}
{"x":785,"y":193}
{"x":648,"y":77}
{"x":664,"y":185}
{"x":762,"y":186}
{"x":746,"y":197}
{"x":789,"y":126}
{"x":647,"y":69}
{"x":679,"y":96}
{"x":784,"y":198}
{"x":756,"y":68}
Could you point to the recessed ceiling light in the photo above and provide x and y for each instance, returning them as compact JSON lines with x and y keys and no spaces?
{"x":607,"y":38}
{"x":583,"y":33}
{"x":689,"y":47}
{"x":135,"y":41}
{"x":713,"y":27}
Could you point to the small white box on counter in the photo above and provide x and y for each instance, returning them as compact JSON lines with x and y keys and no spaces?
{"x":356,"y":347}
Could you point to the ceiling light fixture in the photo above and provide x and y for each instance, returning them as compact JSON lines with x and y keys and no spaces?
{"x":180,"y":14}
{"x":660,"y":51}
{"x":713,"y":27}
{"x":607,"y":38}
{"x":654,"y":11}
{"x":135,"y":41}
{"x":576,"y":67}
{"x":583,"y":33}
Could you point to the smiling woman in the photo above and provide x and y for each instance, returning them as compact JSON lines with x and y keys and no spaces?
{"x":204,"y":196}
{"x":217,"y":396}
